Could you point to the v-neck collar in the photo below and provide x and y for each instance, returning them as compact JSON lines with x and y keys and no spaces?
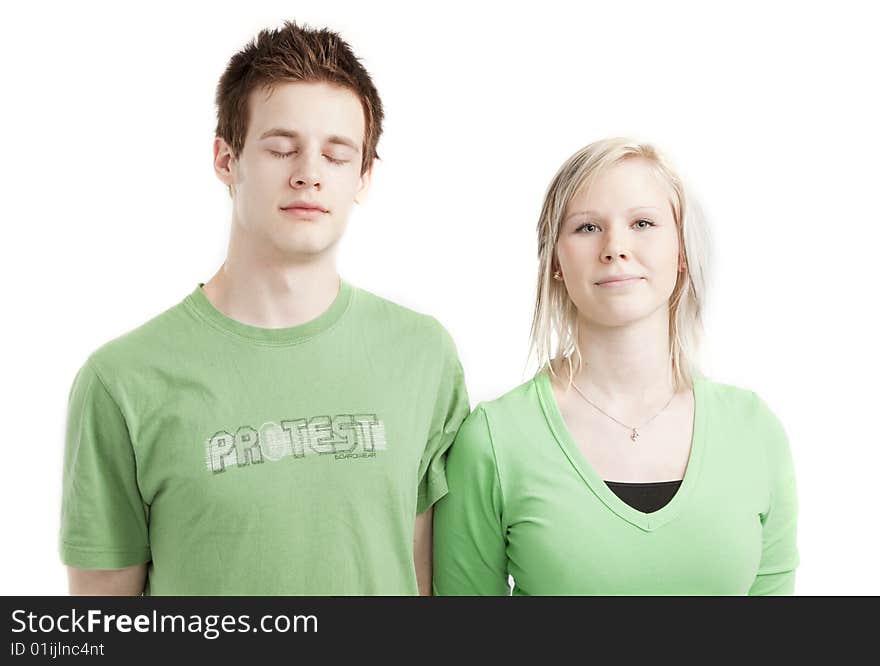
{"x":645,"y":521}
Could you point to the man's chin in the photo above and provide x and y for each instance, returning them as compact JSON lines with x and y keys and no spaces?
{"x":304,"y":246}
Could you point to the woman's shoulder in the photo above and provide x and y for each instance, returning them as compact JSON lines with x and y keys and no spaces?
{"x":513,"y":419}
{"x":734,"y":399}
{"x":499,"y":428}
{"x":520,"y":401}
{"x":744,"y":413}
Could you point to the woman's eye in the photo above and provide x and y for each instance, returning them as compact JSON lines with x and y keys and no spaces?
{"x":644,"y":224}
{"x":589,"y":226}
{"x":275,"y":153}
{"x":333,"y":160}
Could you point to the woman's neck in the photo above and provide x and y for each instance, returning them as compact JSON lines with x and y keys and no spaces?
{"x":625,"y":363}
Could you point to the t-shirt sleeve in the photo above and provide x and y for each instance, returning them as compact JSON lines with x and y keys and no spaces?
{"x":470,"y":555}
{"x":779,"y":554}
{"x":451,"y":407}
{"x":103,"y":517}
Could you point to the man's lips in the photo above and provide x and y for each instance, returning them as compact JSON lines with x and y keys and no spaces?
{"x":304,"y":206}
{"x":304,"y":211}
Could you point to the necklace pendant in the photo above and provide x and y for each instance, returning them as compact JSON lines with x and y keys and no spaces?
{"x":635,"y":434}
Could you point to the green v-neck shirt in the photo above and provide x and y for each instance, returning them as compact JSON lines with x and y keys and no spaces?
{"x":523,"y":500}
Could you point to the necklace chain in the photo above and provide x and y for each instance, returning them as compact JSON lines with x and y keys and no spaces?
{"x":634,"y":435}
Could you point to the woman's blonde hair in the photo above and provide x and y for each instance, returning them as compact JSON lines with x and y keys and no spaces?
{"x":556,"y":315}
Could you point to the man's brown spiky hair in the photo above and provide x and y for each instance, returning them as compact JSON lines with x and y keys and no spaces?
{"x":294,"y":53}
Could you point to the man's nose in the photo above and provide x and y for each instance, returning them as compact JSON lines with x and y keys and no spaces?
{"x":305,"y":174}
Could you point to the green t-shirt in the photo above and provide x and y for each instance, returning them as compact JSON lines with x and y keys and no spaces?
{"x":245,"y":460}
{"x":523,"y":500}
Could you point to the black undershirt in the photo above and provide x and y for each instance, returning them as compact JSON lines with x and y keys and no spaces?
{"x":645,"y":497}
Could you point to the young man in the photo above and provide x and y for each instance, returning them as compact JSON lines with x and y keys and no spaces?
{"x":279,"y":431}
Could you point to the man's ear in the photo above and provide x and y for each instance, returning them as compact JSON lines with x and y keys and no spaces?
{"x":366,"y":179}
{"x":224,"y":162}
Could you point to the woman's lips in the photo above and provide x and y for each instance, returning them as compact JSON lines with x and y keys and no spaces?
{"x":615,"y":284}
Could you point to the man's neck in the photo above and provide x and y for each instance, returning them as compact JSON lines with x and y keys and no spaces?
{"x":274,"y":292}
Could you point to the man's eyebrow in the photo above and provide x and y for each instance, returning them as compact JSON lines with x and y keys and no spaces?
{"x":280,"y":131}
{"x":595,"y":214}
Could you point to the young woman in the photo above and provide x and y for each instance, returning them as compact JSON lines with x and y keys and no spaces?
{"x":618,"y":468}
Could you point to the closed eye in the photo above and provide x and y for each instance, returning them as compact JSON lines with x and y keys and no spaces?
{"x":282,"y":156}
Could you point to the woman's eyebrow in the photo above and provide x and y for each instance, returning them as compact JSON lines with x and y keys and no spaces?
{"x":593,"y":213}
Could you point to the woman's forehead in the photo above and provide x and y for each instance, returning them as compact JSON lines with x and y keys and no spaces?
{"x":627,"y":186}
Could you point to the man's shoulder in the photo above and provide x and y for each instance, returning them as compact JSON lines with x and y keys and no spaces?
{"x":149,"y":339}
{"x":370,"y":301}
{"x":390,"y":317}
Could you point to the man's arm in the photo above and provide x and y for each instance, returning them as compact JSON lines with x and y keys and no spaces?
{"x":422,"y":549}
{"x":115,"y":582}
{"x":104,"y":519}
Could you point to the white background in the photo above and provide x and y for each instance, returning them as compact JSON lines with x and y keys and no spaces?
{"x":112,"y":213}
